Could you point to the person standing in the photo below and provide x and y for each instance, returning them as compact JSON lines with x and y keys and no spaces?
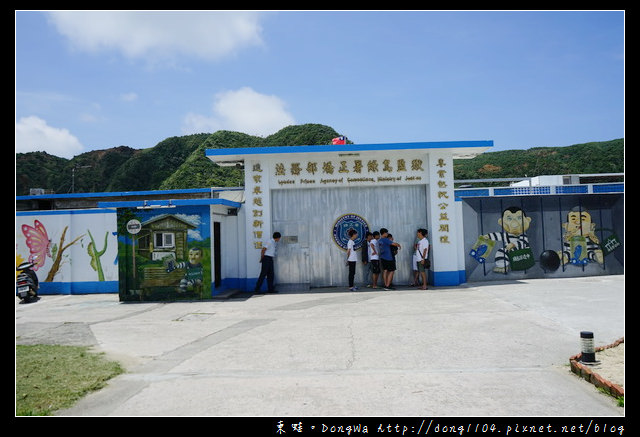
{"x":394,"y":252}
{"x":374,"y":258}
{"x":267,"y":254}
{"x":386,"y":258}
{"x":352,"y":258}
{"x":415,"y":260}
{"x":365,"y":259}
{"x":422,"y":254}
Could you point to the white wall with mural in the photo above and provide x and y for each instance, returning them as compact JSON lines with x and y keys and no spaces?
{"x":74,"y":252}
{"x":513,"y":237}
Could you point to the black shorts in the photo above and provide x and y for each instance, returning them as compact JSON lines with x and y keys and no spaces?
{"x":375,"y":266}
{"x":389,"y":265}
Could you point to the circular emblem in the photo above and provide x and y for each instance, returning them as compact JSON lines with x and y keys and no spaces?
{"x":345,"y":223}
{"x":133,"y":226}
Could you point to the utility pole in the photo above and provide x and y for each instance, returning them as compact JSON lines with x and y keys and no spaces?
{"x":73,"y":176}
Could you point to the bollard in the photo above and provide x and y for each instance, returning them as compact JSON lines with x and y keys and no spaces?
{"x":588,"y":350}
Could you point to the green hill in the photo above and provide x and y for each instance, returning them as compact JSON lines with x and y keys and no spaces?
{"x":180,"y":162}
{"x":596,"y":157}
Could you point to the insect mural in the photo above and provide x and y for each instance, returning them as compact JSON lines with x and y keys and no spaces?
{"x":38,"y":242}
{"x":66,"y":257}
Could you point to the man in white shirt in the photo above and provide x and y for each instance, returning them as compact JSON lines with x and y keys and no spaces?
{"x":267,"y":254}
{"x":422,"y":253}
{"x":352,"y":258}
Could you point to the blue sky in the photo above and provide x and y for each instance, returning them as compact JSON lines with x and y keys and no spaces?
{"x":90,"y":80}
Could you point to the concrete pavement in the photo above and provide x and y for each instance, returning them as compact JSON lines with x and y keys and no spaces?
{"x":480,"y":349}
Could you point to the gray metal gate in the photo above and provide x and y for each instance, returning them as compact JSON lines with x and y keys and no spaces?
{"x":307,"y":253}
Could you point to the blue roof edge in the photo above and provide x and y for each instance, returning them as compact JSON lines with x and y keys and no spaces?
{"x":125,"y":193}
{"x":346,"y":148}
{"x":161,"y":203}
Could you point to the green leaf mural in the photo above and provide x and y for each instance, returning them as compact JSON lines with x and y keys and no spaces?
{"x":95,"y":255}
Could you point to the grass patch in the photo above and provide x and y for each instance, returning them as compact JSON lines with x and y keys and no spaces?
{"x":52,"y":377}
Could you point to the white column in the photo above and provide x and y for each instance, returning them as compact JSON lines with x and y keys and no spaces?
{"x":444,"y":233}
{"x":257,"y":214}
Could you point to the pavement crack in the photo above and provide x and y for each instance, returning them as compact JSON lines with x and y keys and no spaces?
{"x":172,"y":358}
{"x":352,"y":344}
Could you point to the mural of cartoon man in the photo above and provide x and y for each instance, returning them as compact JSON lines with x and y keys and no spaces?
{"x":193,"y":275}
{"x":514,"y":223}
{"x":579,"y":241}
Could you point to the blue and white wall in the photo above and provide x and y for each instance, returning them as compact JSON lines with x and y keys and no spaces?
{"x":77,"y":250}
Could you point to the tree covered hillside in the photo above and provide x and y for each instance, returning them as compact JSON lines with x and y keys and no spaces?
{"x":597,"y":157}
{"x":180,"y":162}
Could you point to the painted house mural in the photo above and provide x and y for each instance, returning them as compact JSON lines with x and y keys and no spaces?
{"x":164,"y":255}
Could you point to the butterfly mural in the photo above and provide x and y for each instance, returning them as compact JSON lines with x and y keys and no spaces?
{"x":38,"y":242}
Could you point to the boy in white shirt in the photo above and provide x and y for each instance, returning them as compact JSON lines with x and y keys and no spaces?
{"x":415,"y":260}
{"x":352,"y":258}
{"x":374,"y":258}
{"x":422,"y":253}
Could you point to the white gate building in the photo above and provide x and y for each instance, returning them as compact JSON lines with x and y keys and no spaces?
{"x":307,"y":192}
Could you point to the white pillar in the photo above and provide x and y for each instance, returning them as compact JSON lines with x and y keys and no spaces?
{"x":257,"y":214}
{"x":444,"y":228}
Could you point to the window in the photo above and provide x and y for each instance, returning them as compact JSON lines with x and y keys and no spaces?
{"x":163,"y":240}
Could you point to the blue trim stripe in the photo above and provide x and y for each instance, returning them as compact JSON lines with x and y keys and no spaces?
{"x":459,"y":194}
{"x":608,"y":188}
{"x":453,"y":277}
{"x":158,"y":203}
{"x":111,"y":194}
{"x":347,"y":148}
{"x":572,"y":189}
{"x":126,"y":193}
{"x":65,"y":212}
{"x":84,"y":287}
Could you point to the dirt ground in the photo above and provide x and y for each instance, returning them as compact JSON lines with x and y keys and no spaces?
{"x":611,"y":366}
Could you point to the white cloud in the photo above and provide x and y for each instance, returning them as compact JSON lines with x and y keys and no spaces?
{"x":243,"y":110}
{"x":160,"y":35}
{"x":128,"y":97}
{"x":34,"y":135}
